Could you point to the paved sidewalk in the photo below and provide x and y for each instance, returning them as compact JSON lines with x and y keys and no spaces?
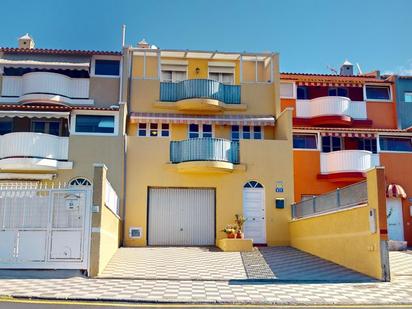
{"x":209,"y":263}
{"x":185,"y":291}
{"x":400,"y":263}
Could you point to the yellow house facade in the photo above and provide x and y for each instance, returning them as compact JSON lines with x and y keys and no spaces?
{"x":205,"y":140}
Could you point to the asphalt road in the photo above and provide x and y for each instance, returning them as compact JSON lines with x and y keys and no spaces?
{"x":39,"y":304}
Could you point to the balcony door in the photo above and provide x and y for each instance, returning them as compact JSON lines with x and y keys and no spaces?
{"x":48,"y":127}
{"x":254,"y":211}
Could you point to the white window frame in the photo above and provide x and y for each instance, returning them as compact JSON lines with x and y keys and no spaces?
{"x":252,"y":133}
{"x":378,"y":143}
{"x":377,"y":100}
{"x":103,"y":57}
{"x":200,"y":130}
{"x":311,"y":134}
{"x":226,"y":66}
{"x":147,"y":129}
{"x":173,"y":80}
{"x":94,"y":113}
{"x":293,"y":90}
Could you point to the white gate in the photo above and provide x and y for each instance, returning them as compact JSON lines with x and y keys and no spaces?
{"x":44,"y":228}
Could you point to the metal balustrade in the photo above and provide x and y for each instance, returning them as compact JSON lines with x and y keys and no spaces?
{"x":204,"y":149}
{"x":346,"y":197}
{"x":199,"y":88}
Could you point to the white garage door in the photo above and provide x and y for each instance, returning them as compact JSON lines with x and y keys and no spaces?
{"x":181,"y":217}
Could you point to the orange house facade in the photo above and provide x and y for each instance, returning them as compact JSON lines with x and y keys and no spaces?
{"x":344,"y":125}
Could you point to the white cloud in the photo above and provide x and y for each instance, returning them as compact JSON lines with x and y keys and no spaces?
{"x":402,"y":69}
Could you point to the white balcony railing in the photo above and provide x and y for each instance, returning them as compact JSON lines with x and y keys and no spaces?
{"x":347,"y":161}
{"x":45,"y":83}
{"x":329,"y":106}
{"x":35,"y":145}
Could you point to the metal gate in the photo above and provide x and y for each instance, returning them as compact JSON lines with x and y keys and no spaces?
{"x":44,"y":228}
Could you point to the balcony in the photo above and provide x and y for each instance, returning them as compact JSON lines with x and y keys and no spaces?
{"x":200,"y":95}
{"x":346,"y":165}
{"x":45,"y":87}
{"x":33,"y":151}
{"x":335,"y":111}
{"x":207,"y":155}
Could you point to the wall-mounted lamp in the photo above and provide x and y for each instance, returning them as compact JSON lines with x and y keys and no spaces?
{"x":197,"y":70}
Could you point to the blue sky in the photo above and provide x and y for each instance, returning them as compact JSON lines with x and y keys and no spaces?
{"x":309,"y":34}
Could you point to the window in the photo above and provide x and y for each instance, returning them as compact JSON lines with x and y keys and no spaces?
{"x":80,"y":181}
{"x":225,"y":78}
{"x":408,"y":97}
{"x":287,"y":90}
{"x":107,"y":67}
{"x":341,"y":92}
{"x":94,"y":124}
{"x":331,"y":143}
{"x":302,"y":93}
{"x":6,"y":126}
{"x":304,"y":141}
{"x":253,"y":184}
{"x":395,"y":144}
{"x":173,"y":76}
{"x":377,"y":93}
{"x":200,"y":130}
{"x":153,"y":129}
{"x":246,"y":132}
{"x":48,"y":127}
{"x":368,"y":144}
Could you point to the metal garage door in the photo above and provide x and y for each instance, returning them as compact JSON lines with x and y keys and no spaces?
{"x":181,"y":217}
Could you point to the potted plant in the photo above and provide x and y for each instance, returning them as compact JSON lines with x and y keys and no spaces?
{"x":240,"y":221}
{"x":230,"y":231}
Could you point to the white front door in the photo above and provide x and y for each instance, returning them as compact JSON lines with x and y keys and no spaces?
{"x":254,"y":211}
{"x":395,"y":219}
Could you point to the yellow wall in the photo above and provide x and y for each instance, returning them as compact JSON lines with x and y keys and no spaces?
{"x":266,"y":161}
{"x":344,"y":236}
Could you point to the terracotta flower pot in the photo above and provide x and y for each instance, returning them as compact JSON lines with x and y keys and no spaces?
{"x":231,"y":235}
{"x":240,"y":235}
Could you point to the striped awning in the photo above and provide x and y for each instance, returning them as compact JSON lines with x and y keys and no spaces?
{"x":395,"y":191}
{"x":348,"y":134}
{"x":329,"y":84}
{"x":261,"y":120}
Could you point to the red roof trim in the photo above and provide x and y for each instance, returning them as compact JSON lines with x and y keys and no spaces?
{"x":348,"y":129}
{"x":54,"y":108}
{"x":58,"y":51}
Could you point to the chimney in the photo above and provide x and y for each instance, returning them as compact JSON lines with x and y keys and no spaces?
{"x":143,"y":44}
{"x":26,"y":41}
{"x":346,"y":68}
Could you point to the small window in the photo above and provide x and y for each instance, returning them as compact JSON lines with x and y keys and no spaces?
{"x":286,"y":90}
{"x":153,"y":129}
{"x":302,"y":93}
{"x":80,"y":181}
{"x":377,"y":93}
{"x":253,"y":184}
{"x":204,"y":130}
{"x":6,"y":126}
{"x":235,"y":133}
{"x":47,"y":127}
{"x":331,"y":143}
{"x":142,"y":129}
{"x":173,"y":76}
{"x":246,"y":132}
{"x":107,"y":67}
{"x":304,"y":141}
{"x":225,"y":78}
{"x":165,"y":130}
{"x":395,"y":144}
{"x":94,"y":124}
{"x":339,"y":91}
{"x":193,"y":130}
{"x":408,"y":97}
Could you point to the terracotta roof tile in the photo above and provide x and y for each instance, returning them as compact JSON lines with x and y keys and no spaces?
{"x":325,"y":129}
{"x":51,"y":107}
{"x":57,"y":51}
{"x":325,"y":78}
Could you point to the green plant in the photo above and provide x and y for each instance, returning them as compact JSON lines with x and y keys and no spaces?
{"x":230,"y":229}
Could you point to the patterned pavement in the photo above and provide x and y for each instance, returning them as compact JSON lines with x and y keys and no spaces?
{"x":202,"y":263}
{"x":239,"y":291}
{"x":401,"y":263}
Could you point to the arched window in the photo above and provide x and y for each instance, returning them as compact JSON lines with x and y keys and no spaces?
{"x":80,"y":181}
{"x":253,"y":184}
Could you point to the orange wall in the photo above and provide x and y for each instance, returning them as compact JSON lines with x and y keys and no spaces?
{"x":284,"y":103}
{"x":398,"y":168}
{"x":382,"y":114}
{"x":306,"y":168}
